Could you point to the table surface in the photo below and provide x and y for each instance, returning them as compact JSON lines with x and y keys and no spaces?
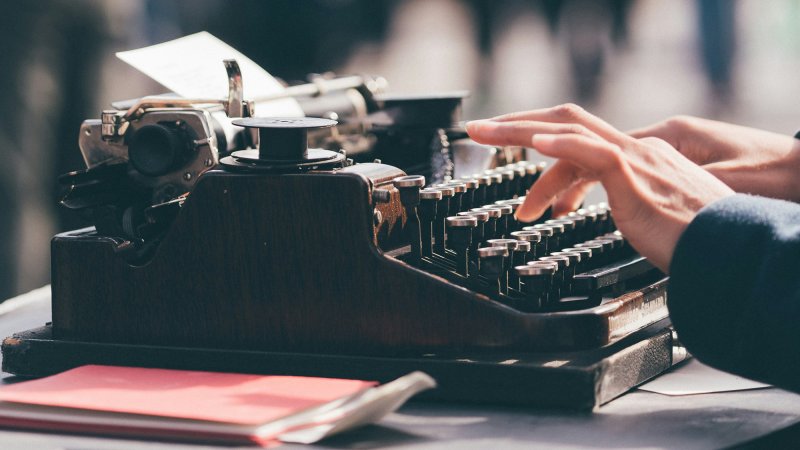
{"x":638,"y":419}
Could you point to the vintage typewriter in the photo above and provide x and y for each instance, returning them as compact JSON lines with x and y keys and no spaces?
{"x":278,"y":252}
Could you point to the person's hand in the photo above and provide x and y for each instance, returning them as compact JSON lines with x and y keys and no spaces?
{"x":746,"y":159}
{"x":653,"y":190}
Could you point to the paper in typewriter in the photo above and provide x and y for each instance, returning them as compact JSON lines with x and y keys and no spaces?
{"x":191,"y":67}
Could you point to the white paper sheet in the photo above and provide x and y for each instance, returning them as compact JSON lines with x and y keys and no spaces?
{"x":191,"y":67}
{"x":694,"y":377}
{"x":365,"y":408}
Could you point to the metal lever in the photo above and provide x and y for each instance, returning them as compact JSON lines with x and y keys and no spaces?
{"x":234,"y":108}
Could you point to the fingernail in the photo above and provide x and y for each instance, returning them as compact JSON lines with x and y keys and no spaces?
{"x":524,"y":216}
{"x":479,"y":125}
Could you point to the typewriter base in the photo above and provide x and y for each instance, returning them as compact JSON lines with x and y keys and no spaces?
{"x":572,"y":380}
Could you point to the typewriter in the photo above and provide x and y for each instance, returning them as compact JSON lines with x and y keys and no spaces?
{"x":280,"y":253}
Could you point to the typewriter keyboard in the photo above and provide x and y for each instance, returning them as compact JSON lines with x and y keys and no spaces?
{"x":465,"y":231}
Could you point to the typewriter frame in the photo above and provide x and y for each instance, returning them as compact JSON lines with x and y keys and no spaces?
{"x":264,"y":273}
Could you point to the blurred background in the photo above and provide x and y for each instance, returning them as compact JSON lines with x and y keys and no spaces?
{"x":630,"y":61}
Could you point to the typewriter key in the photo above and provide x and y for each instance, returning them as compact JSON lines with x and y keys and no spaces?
{"x":478,"y":235}
{"x":560,"y":279}
{"x":492,"y":263}
{"x":428,"y":200}
{"x":442,"y":212}
{"x":572,"y":268}
{"x":547,"y":233}
{"x":491,"y":226}
{"x":460,"y":229}
{"x":537,"y":282}
{"x":506,"y":278}
{"x":409,"y":187}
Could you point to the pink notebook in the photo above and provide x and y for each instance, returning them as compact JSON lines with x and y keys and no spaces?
{"x":172,"y":404}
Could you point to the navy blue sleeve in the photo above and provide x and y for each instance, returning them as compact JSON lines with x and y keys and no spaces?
{"x":734,"y":295}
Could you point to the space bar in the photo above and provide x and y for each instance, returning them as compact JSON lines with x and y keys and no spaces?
{"x":611,"y":274}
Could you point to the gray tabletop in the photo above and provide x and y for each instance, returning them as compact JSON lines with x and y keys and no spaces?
{"x":638,"y":419}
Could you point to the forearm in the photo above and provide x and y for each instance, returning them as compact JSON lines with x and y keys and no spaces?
{"x":735,"y":288}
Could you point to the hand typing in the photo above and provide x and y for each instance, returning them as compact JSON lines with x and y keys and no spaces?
{"x":653,"y":189}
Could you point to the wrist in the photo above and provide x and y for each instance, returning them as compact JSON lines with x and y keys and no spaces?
{"x":793,"y":168}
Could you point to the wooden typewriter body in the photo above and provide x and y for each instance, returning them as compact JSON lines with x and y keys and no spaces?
{"x":307,"y":274}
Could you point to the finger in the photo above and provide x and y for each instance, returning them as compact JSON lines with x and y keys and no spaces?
{"x":598,"y":157}
{"x":659,"y":130}
{"x":579,"y":157}
{"x":544,"y":191}
{"x":567,"y":113}
{"x":571,"y":199}
{"x":520,"y":132}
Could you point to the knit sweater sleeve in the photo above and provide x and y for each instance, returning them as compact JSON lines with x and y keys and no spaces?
{"x":734,"y":295}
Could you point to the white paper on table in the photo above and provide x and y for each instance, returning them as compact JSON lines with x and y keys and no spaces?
{"x":192,"y":67}
{"x":362,"y":409}
{"x":694,"y":377}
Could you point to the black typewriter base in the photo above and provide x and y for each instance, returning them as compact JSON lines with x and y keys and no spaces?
{"x":572,"y":380}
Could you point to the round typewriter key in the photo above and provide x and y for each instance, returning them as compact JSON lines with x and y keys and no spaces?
{"x":462,"y":221}
{"x":571,"y":270}
{"x":558,"y":232}
{"x":535,"y":240}
{"x":442,"y":211}
{"x":586,"y":255}
{"x":562,"y":275}
{"x":457,"y":186}
{"x":527,"y":235}
{"x":617,"y":239}
{"x":504,"y":222}
{"x":480,"y":192}
{"x":488,"y":252}
{"x":523,"y":252}
{"x":494,"y":190}
{"x":491,"y":210}
{"x":479,"y":234}
{"x":531,"y":175}
{"x":510,"y":244}
{"x":524,"y":246}
{"x":607,"y":244}
{"x":483,"y":179}
{"x":591,"y":222}
{"x":580,"y":226}
{"x":409,"y":188}
{"x":507,"y":190}
{"x":568,"y":224}
{"x":447,"y":191}
{"x":537,"y":282}
{"x":492,"y":264}
{"x":568,"y":236}
{"x":597,"y":259}
{"x":468,"y":202}
{"x":507,"y":279}
{"x":430,"y":194}
{"x":460,"y":238}
{"x":491,"y":226}
{"x":458,"y":198}
{"x":470,"y":182}
{"x":429,"y":199}
{"x":409,"y":181}
{"x":482,"y":216}
{"x":520,"y":185}
{"x":547,"y":237}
